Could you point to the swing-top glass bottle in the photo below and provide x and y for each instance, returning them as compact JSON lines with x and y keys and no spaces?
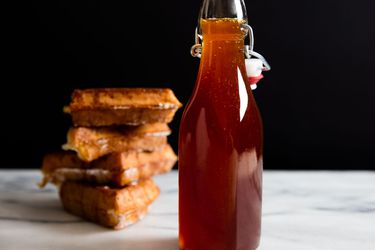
{"x":220,"y":144}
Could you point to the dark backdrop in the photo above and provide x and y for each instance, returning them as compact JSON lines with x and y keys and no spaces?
{"x":317,"y":102}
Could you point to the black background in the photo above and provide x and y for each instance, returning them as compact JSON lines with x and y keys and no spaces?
{"x":317,"y":102}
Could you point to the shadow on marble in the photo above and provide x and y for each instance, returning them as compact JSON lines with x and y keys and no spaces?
{"x":140,"y":243}
{"x":113,"y":243}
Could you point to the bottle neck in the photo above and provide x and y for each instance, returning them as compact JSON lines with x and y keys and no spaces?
{"x":222,"y":57}
{"x":219,"y":25}
{"x":223,"y":61}
{"x":223,"y":41}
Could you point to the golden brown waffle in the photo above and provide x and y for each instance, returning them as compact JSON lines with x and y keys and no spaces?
{"x":116,"y":169}
{"x":109,"y":207}
{"x":92,"y":143}
{"x":122,"y":106}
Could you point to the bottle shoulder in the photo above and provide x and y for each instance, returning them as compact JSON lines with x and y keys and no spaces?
{"x":221,"y":112}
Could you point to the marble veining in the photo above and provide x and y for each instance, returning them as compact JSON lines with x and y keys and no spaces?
{"x":301,"y":211}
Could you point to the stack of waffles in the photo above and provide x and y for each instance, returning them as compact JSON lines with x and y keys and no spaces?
{"x":118,"y":141}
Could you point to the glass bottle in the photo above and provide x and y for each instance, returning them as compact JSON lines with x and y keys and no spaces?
{"x":220,"y":141}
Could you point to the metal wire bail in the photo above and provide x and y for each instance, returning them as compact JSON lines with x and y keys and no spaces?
{"x":196,"y":49}
{"x":249,"y":49}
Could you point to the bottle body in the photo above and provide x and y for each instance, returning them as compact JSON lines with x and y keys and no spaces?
{"x":220,"y":148}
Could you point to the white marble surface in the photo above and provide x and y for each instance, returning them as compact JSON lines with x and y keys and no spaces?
{"x":302,"y":211}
